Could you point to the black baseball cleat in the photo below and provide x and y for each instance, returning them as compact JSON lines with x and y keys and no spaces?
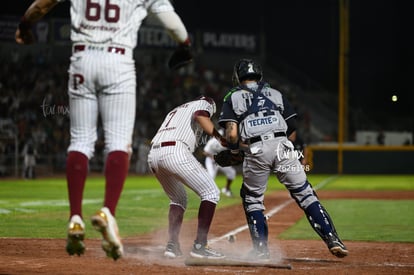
{"x":335,"y":246}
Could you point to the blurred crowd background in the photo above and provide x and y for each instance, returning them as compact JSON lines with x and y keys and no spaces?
{"x":297,"y":48}
{"x":34,"y":103}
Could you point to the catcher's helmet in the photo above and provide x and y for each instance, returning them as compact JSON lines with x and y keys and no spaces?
{"x":246,"y":69}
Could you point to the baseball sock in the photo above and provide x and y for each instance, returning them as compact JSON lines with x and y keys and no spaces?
{"x":205,"y":217}
{"x":175,"y":220}
{"x":116,"y":171}
{"x":76,"y":172}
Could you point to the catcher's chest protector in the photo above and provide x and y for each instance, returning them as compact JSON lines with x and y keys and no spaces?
{"x":260,"y":112}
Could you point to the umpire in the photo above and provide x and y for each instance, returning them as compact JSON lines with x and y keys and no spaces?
{"x":258,"y":120}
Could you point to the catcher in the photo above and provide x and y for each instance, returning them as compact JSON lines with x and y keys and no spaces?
{"x":260,"y":118}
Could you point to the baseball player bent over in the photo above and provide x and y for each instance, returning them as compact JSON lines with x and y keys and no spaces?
{"x":263,"y":119}
{"x":102,"y":81}
{"x":172,"y":161}
{"x":211,"y":148}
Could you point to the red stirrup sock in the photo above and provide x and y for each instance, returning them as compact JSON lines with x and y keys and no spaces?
{"x":76,"y":172}
{"x":205,"y":217}
{"x":116,"y":171}
{"x":175,"y":220}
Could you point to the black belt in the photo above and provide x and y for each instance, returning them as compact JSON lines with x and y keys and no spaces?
{"x":259,"y":138}
{"x":110,"y":49}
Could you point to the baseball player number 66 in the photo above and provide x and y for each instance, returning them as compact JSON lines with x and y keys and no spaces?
{"x":93,"y":11}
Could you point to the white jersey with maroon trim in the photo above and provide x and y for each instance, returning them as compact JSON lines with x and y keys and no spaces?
{"x":112,"y":22}
{"x":179,"y":124}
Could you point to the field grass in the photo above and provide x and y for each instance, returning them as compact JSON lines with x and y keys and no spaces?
{"x":364,"y":220}
{"x":39,"y":208}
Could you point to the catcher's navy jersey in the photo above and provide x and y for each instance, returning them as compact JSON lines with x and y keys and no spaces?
{"x":257,"y":108}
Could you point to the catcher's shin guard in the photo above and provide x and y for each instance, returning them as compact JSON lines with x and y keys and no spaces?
{"x":258,"y":228}
{"x":320,"y":220}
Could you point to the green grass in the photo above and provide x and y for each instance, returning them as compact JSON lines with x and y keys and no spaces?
{"x":372,"y":182}
{"x":39,"y":208}
{"x":363,"y":220}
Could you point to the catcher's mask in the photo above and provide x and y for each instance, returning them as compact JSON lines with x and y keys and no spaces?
{"x":246,"y":69}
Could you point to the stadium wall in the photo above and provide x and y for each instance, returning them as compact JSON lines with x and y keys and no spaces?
{"x":362,"y":159}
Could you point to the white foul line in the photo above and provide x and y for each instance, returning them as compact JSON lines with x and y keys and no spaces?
{"x":270,"y":213}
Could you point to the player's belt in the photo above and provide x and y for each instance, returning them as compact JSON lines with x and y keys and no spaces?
{"x":163,"y":144}
{"x":266,"y":137}
{"x":110,"y":49}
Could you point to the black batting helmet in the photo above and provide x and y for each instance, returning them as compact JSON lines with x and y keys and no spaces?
{"x":246,"y":69}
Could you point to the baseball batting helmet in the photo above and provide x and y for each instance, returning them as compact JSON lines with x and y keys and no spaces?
{"x":246,"y":69}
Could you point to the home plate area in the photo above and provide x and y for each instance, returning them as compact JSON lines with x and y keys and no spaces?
{"x":229,"y":261}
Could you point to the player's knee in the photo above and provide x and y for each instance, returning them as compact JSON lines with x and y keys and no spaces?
{"x":182,"y":204}
{"x":82,"y":148}
{"x":212,"y":195}
{"x":251,"y":202}
{"x":119,"y":146}
{"x":304,"y":195}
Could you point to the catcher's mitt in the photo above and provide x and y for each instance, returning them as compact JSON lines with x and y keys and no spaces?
{"x":227,"y":158}
{"x":180,"y":57}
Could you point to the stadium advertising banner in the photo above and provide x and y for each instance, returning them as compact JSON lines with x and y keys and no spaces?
{"x":230,"y":41}
{"x":57,"y":31}
{"x":8,"y":26}
{"x":61,"y":31}
{"x":156,"y":37}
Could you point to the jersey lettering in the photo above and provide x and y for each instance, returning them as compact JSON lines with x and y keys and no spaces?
{"x":93,"y":11}
{"x":262,"y":121}
{"x":171,"y":114}
{"x":78,"y":79}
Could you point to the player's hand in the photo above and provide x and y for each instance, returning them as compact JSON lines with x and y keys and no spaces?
{"x":24,"y":36}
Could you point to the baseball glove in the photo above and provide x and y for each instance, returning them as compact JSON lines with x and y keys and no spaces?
{"x":227,"y":158}
{"x":180,"y":57}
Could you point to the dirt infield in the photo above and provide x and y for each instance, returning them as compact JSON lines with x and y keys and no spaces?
{"x":144,"y":253}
